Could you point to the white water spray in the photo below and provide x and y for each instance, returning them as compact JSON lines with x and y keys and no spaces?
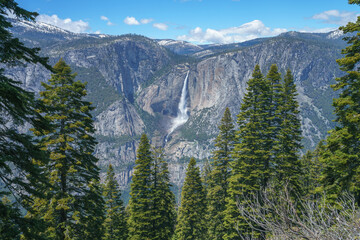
{"x":182,"y":115}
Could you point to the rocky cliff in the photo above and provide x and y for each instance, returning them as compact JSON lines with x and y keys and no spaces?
{"x":136,"y":84}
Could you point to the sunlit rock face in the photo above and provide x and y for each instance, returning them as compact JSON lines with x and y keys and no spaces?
{"x":137,"y":85}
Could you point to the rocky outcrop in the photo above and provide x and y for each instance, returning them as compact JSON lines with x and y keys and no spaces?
{"x":119,"y":119}
{"x":220,"y":81}
{"x":136,"y":87}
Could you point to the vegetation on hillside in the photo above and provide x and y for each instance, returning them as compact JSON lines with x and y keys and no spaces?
{"x":255,"y":186}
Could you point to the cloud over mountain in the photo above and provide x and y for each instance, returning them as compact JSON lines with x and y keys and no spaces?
{"x":247,"y":31}
{"x":67,"y":23}
{"x":160,"y":26}
{"x":131,"y":21}
{"x":336,"y":17}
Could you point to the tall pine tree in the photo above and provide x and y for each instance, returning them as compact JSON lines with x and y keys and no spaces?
{"x":92,"y":219}
{"x":115,"y":222}
{"x":218,"y":182}
{"x":274,"y":119}
{"x":140,"y":220}
{"x":288,"y":144}
{"x":342,"y":155}
{"x":18,"y":175}
{"x":312,"y":169}
{"x":163,"y":199}
{"x":152,"y":204}
{"x":252,"y":152}
{"x":68,"y":205}
{"x":191,"y":219}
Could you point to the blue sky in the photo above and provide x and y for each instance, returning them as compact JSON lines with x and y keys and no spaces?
{"x":197,"y":21}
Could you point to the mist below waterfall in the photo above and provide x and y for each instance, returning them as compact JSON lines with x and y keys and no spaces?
{"x":182,"y":114}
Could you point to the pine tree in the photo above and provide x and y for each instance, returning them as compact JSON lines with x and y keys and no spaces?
{"x":275,"y":95}
{"x":205,"y":175}
{"x":19,"y":176}
{"x":312,"y":169}
{"x":342,"y":156}
{"x":140,"y":221}
{"x":152,"y":204}
{"x":191,"y":218}
{"x":252,"y":152}
{"x":288,"y":144}
{"x":163,"y":199}
{"x":218,"y":182}
{"x":68,"y":205}
{"x":92,"y":220}
{"x":115,"y":222}
{"x":9,"y":227}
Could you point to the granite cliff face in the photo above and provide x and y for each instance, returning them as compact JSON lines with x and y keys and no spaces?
{"x":136,"y":83}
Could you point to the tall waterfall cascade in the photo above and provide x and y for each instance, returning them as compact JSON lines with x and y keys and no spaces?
{"x":182,"y":114}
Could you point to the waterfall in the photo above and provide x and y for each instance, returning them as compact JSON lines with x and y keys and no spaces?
{"x":182,"y":115}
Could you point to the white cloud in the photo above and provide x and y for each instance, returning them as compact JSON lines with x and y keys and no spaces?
{"x":161,"y":26}
{"x":131,"y":21}
{"x":97,"y":32}
{"x":67,"y":24}
{"x":146,"y":20}
{"x":107,"y":20}
{"x":336,"y":17}
{"x":104,"y":18}
{"x":245,"y":32}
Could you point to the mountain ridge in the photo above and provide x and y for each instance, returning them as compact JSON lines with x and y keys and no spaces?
{"x":135,"y":83}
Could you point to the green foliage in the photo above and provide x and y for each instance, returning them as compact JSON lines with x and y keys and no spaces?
{"x":191,"y":218}
{"x":72,"y":204}
{"x":115,"y":222}
{"x":140,"y":203}
{"x":288,"y":144}
{"x":163,"y":206}
{"x":341,"y":156}
{"x":273,"y":120}
{"x":9,"y":225}
{"x":205,"y":175}
{"x":92,"y":219}
{"x":312,"y":169}
{"x":218,"y":182}
{"x":252,"y":151}
{"x":354,"y":2}
{"x":266,"y":153}
{"x":19,"y":176}
{"x":152,"y":203}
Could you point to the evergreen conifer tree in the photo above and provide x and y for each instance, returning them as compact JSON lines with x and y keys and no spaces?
{"x":68,"y":205}
{"x":252,"y":152}
{"x":152,"y":204}
{"x":287,"y":161}
{"x":115,"y":222}
{"x":312,"y":169}
{"x":218,"y":182}
{"x":9,"y":227}
{"x":163,"y":199}
{"x":92,"y":219}
{"x":205,"y":175}
{"x":275,"y":95}
{"x":342,"y":155}
{"x":18,"y":175}
{"x":191,"y":218}
{"x":140,"y":220}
